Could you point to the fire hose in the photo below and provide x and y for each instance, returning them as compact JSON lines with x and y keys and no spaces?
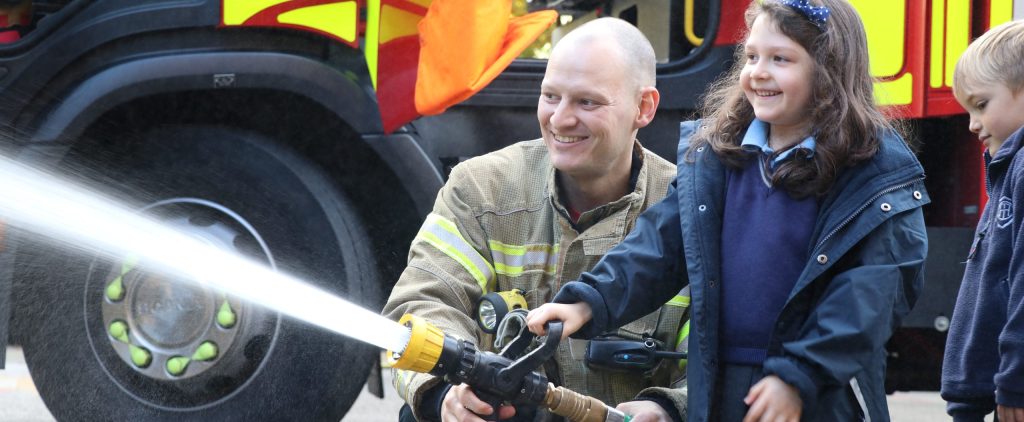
{"x":498,"y":378}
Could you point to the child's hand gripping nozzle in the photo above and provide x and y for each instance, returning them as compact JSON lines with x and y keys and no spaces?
{"x":497,"y":379}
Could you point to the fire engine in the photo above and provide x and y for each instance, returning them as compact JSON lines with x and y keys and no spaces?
{"x":284,"y":130}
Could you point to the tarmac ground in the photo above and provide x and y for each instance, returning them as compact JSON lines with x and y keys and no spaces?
{"x":19,"y":401}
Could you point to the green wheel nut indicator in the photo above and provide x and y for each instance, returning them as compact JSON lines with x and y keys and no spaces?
{"x":226,"y":316}
{"x":176,"y":365}
{"x":119,"y":330}
{"x":140,"y":357}
{"x":115,"y":291}
{"x":206,"y":351}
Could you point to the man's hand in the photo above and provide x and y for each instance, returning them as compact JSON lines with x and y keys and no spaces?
{"x":462,"y":405}
{"x":771,"y":399}
{"x":1010,"y":414}
{"x":644,"y":411}
{"x":573,"y":317}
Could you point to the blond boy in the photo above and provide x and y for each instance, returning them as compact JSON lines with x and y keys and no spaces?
{"x":983,"y":368}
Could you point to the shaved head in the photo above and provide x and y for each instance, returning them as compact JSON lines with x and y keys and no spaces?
{"x":635,"y":54}
{"x":598,"y":91}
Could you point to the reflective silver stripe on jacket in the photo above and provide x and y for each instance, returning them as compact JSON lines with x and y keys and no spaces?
{"x":444,"y":235}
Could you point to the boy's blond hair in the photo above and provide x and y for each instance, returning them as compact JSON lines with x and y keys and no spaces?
{"x":995,"y":57}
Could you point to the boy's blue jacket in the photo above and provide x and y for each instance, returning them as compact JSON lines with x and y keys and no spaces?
{"x":863,"y":275}
{"x":984,"y":362}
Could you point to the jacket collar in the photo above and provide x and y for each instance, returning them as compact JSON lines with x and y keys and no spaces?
{"x":894,"y":164}
{"x":1005,"y":153}
{"x":637,"y":180}
{"x":756,"y":140}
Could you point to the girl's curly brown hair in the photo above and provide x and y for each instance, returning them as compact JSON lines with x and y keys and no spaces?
{"x":847,"y":125}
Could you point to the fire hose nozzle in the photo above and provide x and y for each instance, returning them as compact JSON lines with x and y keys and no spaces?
{"x":496,"y":378}
{"x":421,"y":354}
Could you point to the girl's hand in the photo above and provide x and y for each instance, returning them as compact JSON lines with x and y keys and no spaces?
{"x":462,"y":405}
{"x":771,"y":399}
{"x":573,"y":317}
{"x":1010,"y":414}
{"x":644,"y":411}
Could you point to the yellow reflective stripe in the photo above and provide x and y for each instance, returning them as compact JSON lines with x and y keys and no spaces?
{"x":886,"y":28}
{"x":552,"y":266}
{"x":509,"y":270}
{"x":683,"y":333}
{"x":683,"y":301}
{"x":506,"y":249}
{"x":338,"y":19}
{"x":1000,"y":11}
{"x":513,"y":260}
{"x":509,"y":249}
{"x":444,"y":235}
{"x":938,"y":42}
{"x":958,"y":34}
{"x":895,"y":92}
{"x":372,"y":37}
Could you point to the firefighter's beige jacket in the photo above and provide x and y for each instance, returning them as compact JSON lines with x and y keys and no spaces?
{"x":497,"y":225}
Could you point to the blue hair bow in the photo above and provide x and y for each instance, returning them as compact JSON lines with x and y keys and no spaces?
{"x":818,"y":15}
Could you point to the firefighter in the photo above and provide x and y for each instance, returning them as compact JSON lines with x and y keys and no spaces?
{"x":540,"y":212}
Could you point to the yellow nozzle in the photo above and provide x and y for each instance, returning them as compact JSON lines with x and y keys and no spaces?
{"x":424,"y":348}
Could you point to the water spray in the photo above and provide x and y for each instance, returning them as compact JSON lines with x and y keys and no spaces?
{"x":41,"y":203}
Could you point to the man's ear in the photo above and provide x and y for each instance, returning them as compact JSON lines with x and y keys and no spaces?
{"x":649,"y":99}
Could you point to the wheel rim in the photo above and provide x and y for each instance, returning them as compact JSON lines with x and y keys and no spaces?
{"x":156,"y":334}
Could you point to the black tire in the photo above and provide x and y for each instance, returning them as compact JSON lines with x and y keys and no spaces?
{"x":278,"y":368}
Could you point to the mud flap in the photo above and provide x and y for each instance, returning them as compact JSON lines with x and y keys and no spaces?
{"x":375,"y":381}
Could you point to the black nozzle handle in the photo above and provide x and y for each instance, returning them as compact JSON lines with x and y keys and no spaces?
{"x":520,"y":368}
{"x":492,"y":400}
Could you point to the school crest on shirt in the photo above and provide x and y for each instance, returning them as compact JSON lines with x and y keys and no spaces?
{"x":1004,"y":212}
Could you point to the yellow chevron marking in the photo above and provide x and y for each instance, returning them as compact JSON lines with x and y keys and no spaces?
{"x":237,"y":12}
{"x":338,"y":19}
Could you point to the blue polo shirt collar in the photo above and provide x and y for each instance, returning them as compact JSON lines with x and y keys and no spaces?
{"x":756,"y":139}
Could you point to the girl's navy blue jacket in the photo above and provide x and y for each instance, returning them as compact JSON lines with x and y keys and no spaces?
{"x":984,"y":362}
{"x":863,"y":275}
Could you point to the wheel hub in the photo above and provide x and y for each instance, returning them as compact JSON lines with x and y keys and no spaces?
{"x":170,"y":328}
{"x":168,"y":314}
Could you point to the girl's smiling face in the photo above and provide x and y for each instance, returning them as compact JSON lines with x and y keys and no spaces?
{"x":777,"y":80}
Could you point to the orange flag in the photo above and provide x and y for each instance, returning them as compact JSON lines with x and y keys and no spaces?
{"x":462,"y":45}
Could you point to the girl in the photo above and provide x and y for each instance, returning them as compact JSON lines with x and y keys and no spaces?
{"x":796,"y":220}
